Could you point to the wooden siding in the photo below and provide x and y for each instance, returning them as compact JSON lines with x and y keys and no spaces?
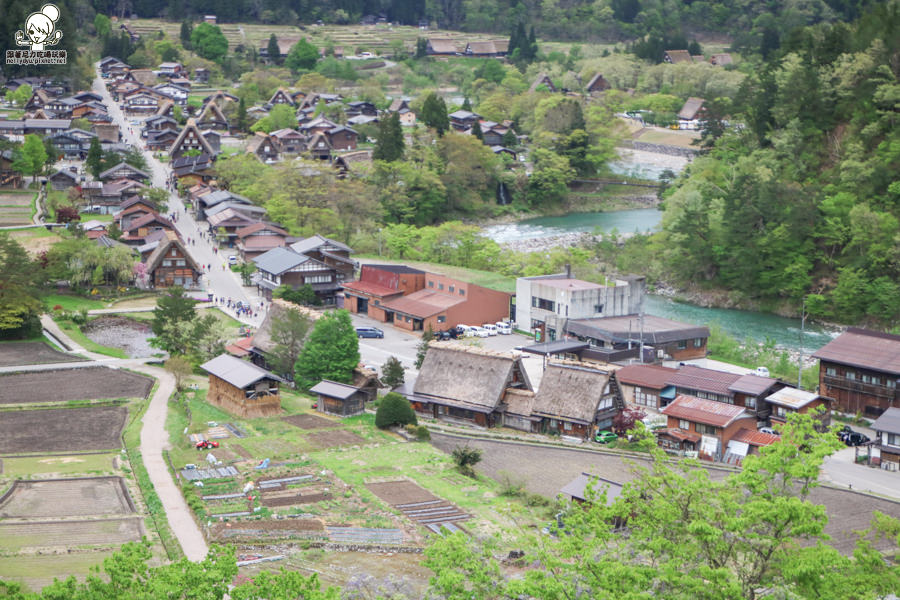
{"x":234,"y":400}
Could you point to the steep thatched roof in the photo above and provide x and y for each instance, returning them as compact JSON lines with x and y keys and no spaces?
{"x":519,"y":402}
{"x":212,"y":114}
{"x":262,"y":339}
{"x":570,"y":393}
{"x":469,"y":377}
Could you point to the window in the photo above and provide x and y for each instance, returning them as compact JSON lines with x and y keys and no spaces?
{"x":440,"y":286}
{"x":179,"y":262}
{"x":682,"y":424}
{"x":891,"y":383}
{"x":451,"y":289}
{"x":174,"y":252}
{"x":698,"y":342}
{"x":462,"y":292}
{"x":598,"y":308}
{"x":317,"y":279}
{"x":378,"y":303}
{"x":431,"y":284}
{"x":781,"y":411}
{"x":567,"y":426}
{"x":750,"y":402}
{"x":442,"y":319}
{"x":535,"y":324}
{"x":682,"y":344}
{"x":407,"y":319}
{"x":543,"y":304}
{"x":831,"y":371}
{"x":706,"y":429}
{"x":850,"y":375}
{"x":893,"y":439}
{"x":605,"y":404}
{"x":167,"y":263}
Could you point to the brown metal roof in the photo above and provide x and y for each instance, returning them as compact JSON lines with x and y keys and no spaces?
{"x":709,"y":412}
{"x":651,"y":376}
{"x":864,"y":348}
{"x":423,"y":303}
{"x":706,"y":380}
{"x":755,"y":438}
{"x":752,"y":384}
{"x":680,"y":434}
{"x":373,"y":289}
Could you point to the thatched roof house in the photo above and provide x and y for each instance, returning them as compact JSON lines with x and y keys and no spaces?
{"x":262,"y":339}
{"x":575,"y":398}
{"x":459,"y":382}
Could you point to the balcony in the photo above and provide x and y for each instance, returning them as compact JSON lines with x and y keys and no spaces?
{"x":878,"y":391}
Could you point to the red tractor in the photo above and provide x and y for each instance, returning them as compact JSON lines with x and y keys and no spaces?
{"x":206,"y":445}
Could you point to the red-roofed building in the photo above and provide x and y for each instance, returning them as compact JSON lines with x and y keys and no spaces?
{"x":379,"y":283}
{"x":241,"y":347}
{"x":715,"y":422}
{"x":646,"y":385}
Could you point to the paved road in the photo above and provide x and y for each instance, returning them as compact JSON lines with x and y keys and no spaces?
{"x":218,"y":280}
{"x":840,"y":469}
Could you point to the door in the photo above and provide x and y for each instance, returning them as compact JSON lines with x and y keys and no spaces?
{"x":362,"y":306}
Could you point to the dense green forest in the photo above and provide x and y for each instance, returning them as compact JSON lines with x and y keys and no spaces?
{"x":804,"y":199}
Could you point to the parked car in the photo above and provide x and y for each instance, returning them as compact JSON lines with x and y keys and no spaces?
{"x":443,"y":336}
{"x":762,"y":371}
{"x":465,"y":330}
{"x":206,"y":444}
{"x":503,"y":328}
{"x":844,"y":431}
{"x":768,"y":430}
{"x":491,"y":328}
{"x":605,"y":437}
{"x":856,"y":439}
{"x":479,"y":332}
{"x":232,"y":260}
{"x":369,"y":332}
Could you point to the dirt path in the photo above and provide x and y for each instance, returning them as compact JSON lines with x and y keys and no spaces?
{"x":153,"y":439}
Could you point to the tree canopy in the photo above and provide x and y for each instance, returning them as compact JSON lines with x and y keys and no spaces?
{"x":19,"y":276}
{"x":209,"y":42}
{"x":302,"y":56}
{"x":331,"y":352}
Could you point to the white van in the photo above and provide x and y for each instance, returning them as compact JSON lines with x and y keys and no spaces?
{"x":503,"y":328}
{"x":491,"y":328}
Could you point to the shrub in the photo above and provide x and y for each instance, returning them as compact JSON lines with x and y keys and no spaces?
{"x":511,"y":486}
{"x":422,"y":433}
{"x":394,"y":410}
{"x":466,"y":458}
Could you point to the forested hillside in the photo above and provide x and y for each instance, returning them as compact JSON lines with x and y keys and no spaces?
{"x":753,"y":22}
{"x":805,"y":199}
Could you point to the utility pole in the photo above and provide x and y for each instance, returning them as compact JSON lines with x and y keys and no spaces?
{"x":800,"y":357}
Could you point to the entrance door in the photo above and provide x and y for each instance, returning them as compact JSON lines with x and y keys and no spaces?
{"x":362,"y":306}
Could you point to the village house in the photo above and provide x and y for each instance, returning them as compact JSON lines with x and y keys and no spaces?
{"x":487,"y":49}
{"x":203,"y":203}
{"x":543,"y":80}
{"x":170,"y":264}
{"x":663,"y":339}
{"x":161,"y":140}
{"x":212,"y":117}
{"x":283,"y":266}
{"x":518,"y":411}
{"x":171,"y":69}
{"x":242,"y":388}
{"x":264,"y":146}
{"x":190,"y":138}
{"x":646,"y":386}
{"x":132,"y":210}
{"x":788,"y":400}
{"x":705,"y":426}
{"x":145,"y":77}
{"x":106,"y":132}
{"x":258,"y":238}
{"x":46,"y":127}
{"x":691,"y":114}
{"x":225,"y":223}
{"x":361,"y":107}
{"x":445,"y":302}
{"x":577,"y":489}
{"x":281,"y":96}
{"x":141,"y":227}
{"x":401,"y":107}
{"x":721,"y":59}
{"x":351,"y":161}
{"x":263,"y":343}
{"x":597,"y":84}
{"x":463,"y":120}
{"x":887,"y":440}
{"x":290,"y":141}
{"x":745,"y":391}
{"x":466,"y":385}
{"x":677,"y":56}
{"x":9,"y":177}
{"x":576,"y":399}
{"x":378,"y":284}
{"x":191,"y":170}
{"x":329,"y":252}
{"x":177,"y":93}
{"x":860,"y":370}
{"x":124,"y":171}
{"x":64,"y":179}
{"x":319,"y":146}
{"x":201,"y":75}
{"x":339,"y":398}
{"x":441,"y":47}
{"x":106,"y":197}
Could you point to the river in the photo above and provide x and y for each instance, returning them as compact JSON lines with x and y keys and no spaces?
{"x":741,"y":324}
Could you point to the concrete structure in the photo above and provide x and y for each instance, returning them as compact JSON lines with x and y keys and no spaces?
{"x":545,"y":303}
{"x":379,"y":283}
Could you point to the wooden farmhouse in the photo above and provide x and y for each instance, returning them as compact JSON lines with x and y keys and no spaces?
{"x":576,"y":399}
{"x":339,"y":398}
{"x":190,"y":138}
{"x":170,"y":264}
{"x":463,"y":384}
{"x":242,"y":388}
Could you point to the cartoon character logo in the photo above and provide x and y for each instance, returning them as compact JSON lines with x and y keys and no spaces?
{"x":40,"y":29}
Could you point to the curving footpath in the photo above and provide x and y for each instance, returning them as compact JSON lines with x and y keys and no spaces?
{"x":154,"y":439}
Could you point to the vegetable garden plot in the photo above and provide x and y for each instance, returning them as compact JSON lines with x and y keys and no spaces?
{"x":62,"y":385}
{"x":67,"y":498}
{"x":62,"y":430}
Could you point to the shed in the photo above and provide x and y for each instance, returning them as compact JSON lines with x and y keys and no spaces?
{"x":242,"y":388}
{"x":339,"y":398}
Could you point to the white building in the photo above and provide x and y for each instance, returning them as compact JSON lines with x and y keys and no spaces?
{"x":546,"y":302}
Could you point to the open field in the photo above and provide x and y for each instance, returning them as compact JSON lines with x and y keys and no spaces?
{"x":400,"y":492}
{"x":34,"y":239}
{"x":72,"y":384}
{"x":67,"y":498}
{"x":57,"y":466}
{"x":333,"y":439}
{"x":669,"y":137}
{"x":307,"y":421}
{"x":74,"y":332}
{"x":62,"y":430}
{"x":31,"y":353}
{"x":71,"y":302}
{"x":20,"y":536}
{"x":39,"y":571}
{"x":10,"y":217}
{"x":25,"y":199}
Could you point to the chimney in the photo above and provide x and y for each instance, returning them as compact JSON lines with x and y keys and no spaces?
{"x":568,"y":271}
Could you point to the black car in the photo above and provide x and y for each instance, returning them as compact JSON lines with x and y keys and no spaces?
{"x":844,"y":431}
{"x":856,"y":439}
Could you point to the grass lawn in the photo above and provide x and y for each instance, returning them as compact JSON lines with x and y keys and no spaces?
{"x":80,"y":464}
{"x":493,"y":281}
{"x":82,"y":340}
{"x":71,"y":302}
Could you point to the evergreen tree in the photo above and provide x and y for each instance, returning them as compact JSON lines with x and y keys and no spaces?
{"x":422,"y":347}
{"x":185,"y":35}
{"x":476,"y":131}
{"x":434,"y":113}
{"x":242,"y":115}
{"x":421,"y":47}
{"x":532,"y":46}
{"x":509,"y":139}
{"x":332,"y":351}
{"x":394,"y":409}
{"x":19,"y":304}
{"x":392,"y":373}
{"x":390,"y":140}
{"x":466,"y":105}
{"x":273,"y":50}
{"x":172,"y":323}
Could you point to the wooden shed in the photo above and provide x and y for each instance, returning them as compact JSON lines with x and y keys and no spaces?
{"x":339,"y":398}
{"x":242,"y":388}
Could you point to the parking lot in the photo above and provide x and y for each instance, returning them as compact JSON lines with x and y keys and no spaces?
{"x":402,"y":344}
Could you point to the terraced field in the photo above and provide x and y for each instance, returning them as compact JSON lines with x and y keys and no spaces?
{"x":19,"y":536}
{"x":67,"y":498}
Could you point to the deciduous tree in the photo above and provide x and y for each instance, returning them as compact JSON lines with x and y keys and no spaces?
{"x":332,"y":351}
{"x":31,"y":158}
{"x":19,"y":304}
{"x":290,"y":329}
{"x":209,"y":42}
{"x":302,"y":57}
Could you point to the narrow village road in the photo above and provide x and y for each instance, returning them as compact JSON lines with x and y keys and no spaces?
{"x":218,"y":280}
{"x":154,"y":438}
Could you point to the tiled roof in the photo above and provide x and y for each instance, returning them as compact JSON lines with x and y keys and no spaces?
{"x":864,"y":348}
{"x":680,"y":434}
{"x":333,"y":389}
{"x":707,"y":380}
{"x":698,"y":410}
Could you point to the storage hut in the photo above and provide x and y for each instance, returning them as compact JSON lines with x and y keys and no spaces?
{"x":242,"y":388}
{"x":339,"y":398}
